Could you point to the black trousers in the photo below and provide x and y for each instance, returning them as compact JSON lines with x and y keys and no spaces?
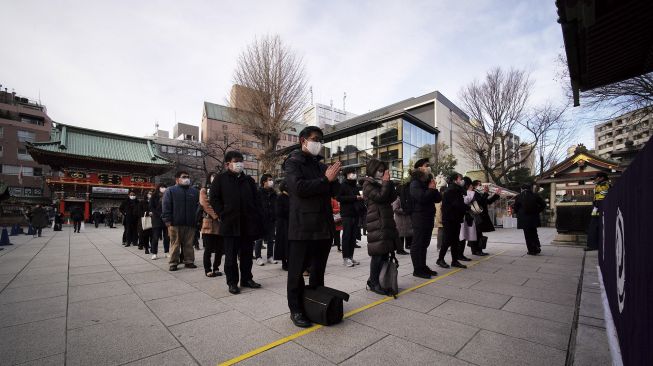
{"x":268,"y":237}
{"x":158,"y":233}
{"x":450,"y":239}
{"x":238,"y":248}
{"x":532,"y":240}
{"x":145,"y":238}
{"x":405,"y":242}
{"x":77,"y":225}
{"x":422,"y":230}
{"x":131,"y":232}
{"x":213,"y":246}
{"x":349,"y":228}
{"x":376,"y":264}
{"x":302,"y":254}
{"x":594,"y":232}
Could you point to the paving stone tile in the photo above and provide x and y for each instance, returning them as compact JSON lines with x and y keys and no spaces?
{"x":240,"y":335}
{"x":84,"y":261}
{"x":591,"y":305}
{"x":158,"y":290}
{"x":32,"y":341}
{"x":492,"y":349}
{"x":182,"y":308}
{"x":216,"y":289}
{"x":594,"y":322}
{"x":147,"y":277}
{"x":175,"y":357}
{"x":105,"y":309}
{"x":289,"y":354}
{"x":98,"y":290}
{"x":45,"y":270}
{"x":432,"y":332}
{"x":569,"y":286}
{"x":35,"y":292}
{"x":31,"y":311}
{"x":417,"y":301}
{"x":91,"y":278}
{"x":91,"y":269}
{"x":554,"y":297}
{"x":38,"y":279}
{"x":259,"y":304}
{"x":472,"y":296}
{"x":393,"y":350}
{"x":55,"y":360}
{"x":553,"y":334}
{"x":135,"y":268}
{"x":478,"y":275}
{"x":539,"y":309}
{"x":591,"y":346}
{"x":118,"y":342}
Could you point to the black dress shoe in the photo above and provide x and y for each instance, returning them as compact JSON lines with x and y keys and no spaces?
{"x":172,"y":268}
{"x":532,"y":253}
{"x":250,"y":284}
{"x":375,"y":287}
{"x":217,"y":273}
{"x":300,"y":320}
{"x":426,"y":276}
{"x":234,"y":289}
{"x":357,"y":246}
{"x":481,"y":254}
{"x":464,"y":259}
{"x":431,"y":272}
{"x":402,"y":252}
{"x":458,"y":264}
{"x":190,"y":265}
{"x":442,"y":263}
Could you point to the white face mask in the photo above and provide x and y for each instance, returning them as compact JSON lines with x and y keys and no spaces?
{"x":184,"y":181}
{"x":236,"y":167}
{"x":427,"y":169}
{"x":314,"y":147}
{"x":460,"y":182}
{"x":149,"y":195}
{"x":132,"y":197}
{"x":352,"y":176}
{"x":212,"y":178}
{"x":269,"y":184}
{"x":162,"y":190}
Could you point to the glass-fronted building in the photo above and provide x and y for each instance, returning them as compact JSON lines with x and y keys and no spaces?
{"x":399,"y":139}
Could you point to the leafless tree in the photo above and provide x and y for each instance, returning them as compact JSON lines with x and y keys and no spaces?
{"x":620,"y":97}
{"x":207,"y":157}
{"x":499,"y":109}
{"x":445,"y":161}
{"x":270,"y":91}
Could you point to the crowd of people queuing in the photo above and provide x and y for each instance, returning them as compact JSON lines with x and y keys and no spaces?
{"x":310,"y":211}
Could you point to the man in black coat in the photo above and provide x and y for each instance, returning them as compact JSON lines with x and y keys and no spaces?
{"x":453,"y":214}
{"x":485,"y":225}
{"x":528,"y":206}
{"x":311,"y":184}
{"x":268,"y":197}
{"x":349,"y":196}
{"x":424,"y":196}
{"x":129,"y":210}
{"x":234,"y":198}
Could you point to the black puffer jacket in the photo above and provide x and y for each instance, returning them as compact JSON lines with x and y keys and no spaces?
{"x":424,"y":199}
{"x":234,"y":198}
{"x":268,"y":198}
{"x":347,"y":198}
{"x":528,"y":206}
{"x":453,"y":205}
{"x":382,"y":234}
{"x":311,"y":216}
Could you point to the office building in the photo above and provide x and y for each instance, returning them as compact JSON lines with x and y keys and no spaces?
{"x":631,"y":130}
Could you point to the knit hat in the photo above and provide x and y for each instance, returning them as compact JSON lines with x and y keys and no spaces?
{"x":349,"y":169}
{"x":421,"y":162}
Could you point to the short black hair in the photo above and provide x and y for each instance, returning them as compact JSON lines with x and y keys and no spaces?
{"x":373,"y":166}
{"x":230,"y":155}
{"x":349,"y":169}
{"x":264,"y":178}
{"x":468,"y":181}
{"x":476,"y":183}
{"x":180,"y":172}
{"x":283,"y":186}
{"x":454,"y":176}
{"x":307,"y":131}
{"x":421,"y":162}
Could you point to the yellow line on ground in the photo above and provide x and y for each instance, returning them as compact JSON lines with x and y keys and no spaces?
{"x":312,"y":329}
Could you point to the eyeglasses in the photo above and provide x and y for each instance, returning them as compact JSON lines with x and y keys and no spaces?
{"x":185,"y":176}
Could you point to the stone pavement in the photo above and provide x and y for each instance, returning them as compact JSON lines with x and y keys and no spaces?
{"x":84,"y":299}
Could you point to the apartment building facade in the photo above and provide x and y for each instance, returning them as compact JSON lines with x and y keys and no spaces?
{"x":611,"y":136}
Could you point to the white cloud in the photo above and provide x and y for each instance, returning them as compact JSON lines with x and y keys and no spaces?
{"x":121,"y":65}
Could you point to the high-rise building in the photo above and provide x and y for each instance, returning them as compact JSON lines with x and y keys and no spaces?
{"x":322,"y":115}
{"x":22,"y":120}
{"x":612,"y":136}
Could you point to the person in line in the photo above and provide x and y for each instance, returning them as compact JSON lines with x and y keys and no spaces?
{"x":111,"y":214}
{"x":601,"y":187}
{"x":39,"y":220}
{"x":130,"y":212}
{"x":311,"y":185}
{"x":424,"y":196}
{"x":441,"y":185}
{"x":77,"y":215}
{"x":468,"y":226}
{"x":403,"y":220}
{"x":281,"y":212}
{"x":178,"y":213}
{"x":96,"y":218}
{"x":528,"y":206}
{"x":362,"y":211}
{"x":453,"y":214}
{"x":337,"y":220}
{"x":211,"y":239}
{"x":382,"y":234}
{"x":145,"y":236}
{"x":485,"y":223}
{"x":268,"y":197}
{"x":159,"y":229}
{"x":234,"y":198}
{"x":349,"y":198}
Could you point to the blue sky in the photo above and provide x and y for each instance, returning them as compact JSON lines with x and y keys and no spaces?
{"x":122,"y":65}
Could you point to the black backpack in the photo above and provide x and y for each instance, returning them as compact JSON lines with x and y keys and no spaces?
{"x":407,"y":202}
{"x":323,"y":305}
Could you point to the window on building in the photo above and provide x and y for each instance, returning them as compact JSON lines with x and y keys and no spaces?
{"x":2,"y":131}
{"x":32,"y":120}
{"x":26,"y":136}
{"x":23,"y":154}
{"x":38,"y":172}
{"x":14,"y":170}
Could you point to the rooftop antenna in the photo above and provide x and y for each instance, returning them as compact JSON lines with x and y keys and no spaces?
{"x":156,"y":127}
{"x":333,"y":114}
{"x":344,"y":105}
{"x":310,"y":90}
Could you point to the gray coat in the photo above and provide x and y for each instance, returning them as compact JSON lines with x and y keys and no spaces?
{"x":403,"y":221}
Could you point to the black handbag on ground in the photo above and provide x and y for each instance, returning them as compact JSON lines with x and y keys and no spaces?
{"x":323,"y":305}
{"x":388,"y":279}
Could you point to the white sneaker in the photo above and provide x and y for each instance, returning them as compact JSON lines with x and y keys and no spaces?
{"x":153,"y":256}
{"x":355,"y":261}
{"x":260,"y":262}
{"x":348,"y":262}
{"x":272,"y":261}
